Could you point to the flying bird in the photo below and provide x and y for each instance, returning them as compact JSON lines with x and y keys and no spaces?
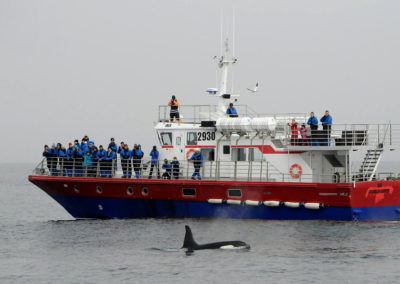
{"x":255,"y":90}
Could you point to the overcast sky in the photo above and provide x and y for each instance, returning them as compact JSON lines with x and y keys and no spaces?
{"x":69,"y":68}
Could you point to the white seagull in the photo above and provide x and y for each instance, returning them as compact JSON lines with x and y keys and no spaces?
{"x":255,"y":90}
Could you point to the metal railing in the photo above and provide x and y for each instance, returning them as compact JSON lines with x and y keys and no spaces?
{"x":370,"y":135}
{"x":211,"y":170}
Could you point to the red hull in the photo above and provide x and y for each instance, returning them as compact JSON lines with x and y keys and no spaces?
{"x":360,"y":194}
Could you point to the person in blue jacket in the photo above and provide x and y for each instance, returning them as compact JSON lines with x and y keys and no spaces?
{"x":101,"y":157}
{"x":326,"y":121}
{"x":154,"y":154}
{"x":54,"y":158}
{"x":231,"y":111}
{"x":313,"y":122}
{"x":110,"y":157}
{"x":137,"y":155}
{"x":113,"y":145}
{"x":62,"y":159}
{"x":78,"y":160}
{"x":126,"y":157}
{"x":88,"y":163}
{"x":68,"y":161}
{"x":168,"y":168}
{"x":197,"y":159}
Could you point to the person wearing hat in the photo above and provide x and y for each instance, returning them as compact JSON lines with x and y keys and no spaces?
{"x":197,"y":160}
{"x":174,"y":112}
{"x":231,"y":111}
{"x":326,"y":121}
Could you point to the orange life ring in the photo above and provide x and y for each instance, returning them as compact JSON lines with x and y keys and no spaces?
{"x":296,"y":174}
{"x":188,"y":154}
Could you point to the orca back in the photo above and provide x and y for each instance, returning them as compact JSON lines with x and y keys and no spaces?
{"x":189,"y":242}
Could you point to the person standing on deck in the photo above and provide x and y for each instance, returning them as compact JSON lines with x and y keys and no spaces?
{"x":197,"y":159}
{"x":174,"y":112}
{"x":231,"y":111}
{"x":126,"y":156}
{"x":109,"y":158}
{"x":326,"y":121}
{"x":294,"y":138}
{"x":175,"y":168}
{"x":313,"y":122}
{"x":101,"y":156}
{"x":154,"y":154}
{"x":137,"y":155}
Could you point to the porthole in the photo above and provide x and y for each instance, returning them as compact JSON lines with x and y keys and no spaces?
{"x":100,"y":207}
{"x":76,"y":188}
{"x":234,"y":192}
{"x":99,"y":189}
{"x":189,"y":191}
{"x":65,"y":185}
{"x":129,"y":191}
{"x":145,"y":191}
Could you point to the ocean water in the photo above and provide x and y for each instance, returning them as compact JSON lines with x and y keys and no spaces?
{"x":41,"y":243}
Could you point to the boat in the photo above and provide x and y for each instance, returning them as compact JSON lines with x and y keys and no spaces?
{"x":253,"y":168}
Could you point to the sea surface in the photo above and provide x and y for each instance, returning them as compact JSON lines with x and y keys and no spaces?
{"x":41,"y":243}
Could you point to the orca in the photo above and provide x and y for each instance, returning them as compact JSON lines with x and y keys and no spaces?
{"x":190,"y":244}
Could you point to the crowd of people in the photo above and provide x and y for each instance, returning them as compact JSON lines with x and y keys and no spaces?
{"x":86,"y":159}
{"x":310,"y":136}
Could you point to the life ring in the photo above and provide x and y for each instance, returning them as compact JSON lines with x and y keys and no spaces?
{"x":296,"y":174}
{"x":188,"y":154}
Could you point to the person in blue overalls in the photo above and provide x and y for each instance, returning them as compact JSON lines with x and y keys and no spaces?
{"x":231,"y":111}
{"x":326,"y":121}
{"x":197,"y":159}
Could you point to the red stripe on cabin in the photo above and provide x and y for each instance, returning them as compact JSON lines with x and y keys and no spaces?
{"x":200,"y":146}
{"x":266,"y":149}
{"x":167,"y":147}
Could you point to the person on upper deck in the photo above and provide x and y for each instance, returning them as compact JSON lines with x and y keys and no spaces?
{"x":77,"y":155}
{"x":126,"y":156}
{"x":313,"y":122}
{"x":47,"y":155}
{"x":120,"y":147}
{"x":154,"y":154}
{"x":174,"y":112}
{"x":326,"y":121}
{"x":231,"y":111}
{"x":294,"y":138}
{"x":197,"y":159}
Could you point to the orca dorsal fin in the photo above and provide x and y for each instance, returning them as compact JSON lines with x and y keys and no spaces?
{"x":189,"y":242}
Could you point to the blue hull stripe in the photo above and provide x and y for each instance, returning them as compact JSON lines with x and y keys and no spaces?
{"x":95,"y":207}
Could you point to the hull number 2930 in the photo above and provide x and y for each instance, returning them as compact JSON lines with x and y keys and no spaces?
{"x":205,"y":136}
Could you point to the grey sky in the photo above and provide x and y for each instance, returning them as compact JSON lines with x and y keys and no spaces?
{"x":69,"y":68}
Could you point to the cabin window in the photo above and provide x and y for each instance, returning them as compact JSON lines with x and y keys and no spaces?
{"x":189,"y":191}
{"x":208,"y":154}
{"x":234,"y":193}
{"x":239,"y":154}
{"x":192,"y":138}
{"x":227,"y":149}
{"x":166,"y":138}
{"x":255,"y":155}
{"x":178,"y":140}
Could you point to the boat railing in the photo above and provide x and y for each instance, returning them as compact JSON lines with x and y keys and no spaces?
{"x":199,"y":113}
{"x":369,"y":135}
{"x":259,"y":170}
